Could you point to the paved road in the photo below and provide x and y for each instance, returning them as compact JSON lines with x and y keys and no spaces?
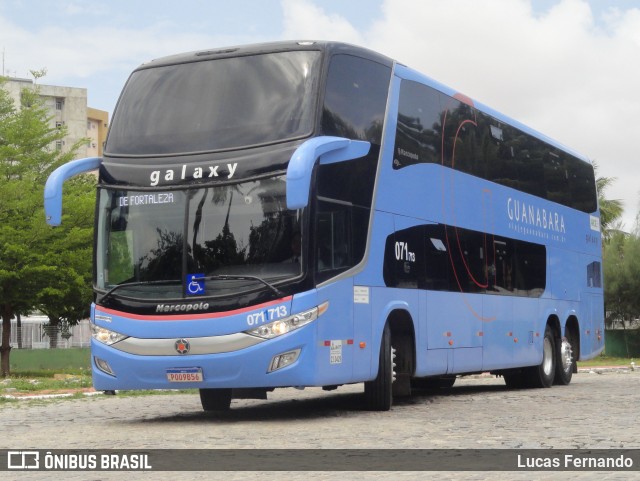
{"x":595,"y":411}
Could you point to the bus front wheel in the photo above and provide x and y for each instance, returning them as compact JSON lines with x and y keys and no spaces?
{"x":379,"y":392}
{"x":215,"y":399}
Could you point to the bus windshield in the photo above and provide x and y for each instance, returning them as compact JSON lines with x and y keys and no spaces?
{"x":217,"y":104}
{"x":236,"y":236}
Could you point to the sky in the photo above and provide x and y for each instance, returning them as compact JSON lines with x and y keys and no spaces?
{"x":567,"y":68}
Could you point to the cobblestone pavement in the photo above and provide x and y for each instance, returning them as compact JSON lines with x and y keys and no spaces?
{"x":596,"y":411}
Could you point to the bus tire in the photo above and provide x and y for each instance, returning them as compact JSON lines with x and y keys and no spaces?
{"x":215,"y":399}
{"x":564,"y":362}
{"x":544,"y":374}
{"x":379,"y":392}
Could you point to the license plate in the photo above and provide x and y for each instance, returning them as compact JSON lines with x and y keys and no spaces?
{"x":185,"y":374}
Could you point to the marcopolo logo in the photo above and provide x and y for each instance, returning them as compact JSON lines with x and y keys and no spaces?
{"x":195,"y":306}
{"x":182,"y":346}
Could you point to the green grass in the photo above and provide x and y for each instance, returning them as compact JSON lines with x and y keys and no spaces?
{"x":21,"y":383}
{"x":24,"y":382}
{"x":57,"y":360}
{"x":52,"y":381}
{"x":608,"y":361}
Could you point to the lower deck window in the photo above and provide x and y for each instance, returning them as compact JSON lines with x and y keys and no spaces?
{"x":445,"y":258}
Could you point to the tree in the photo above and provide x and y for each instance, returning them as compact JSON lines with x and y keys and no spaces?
{"x":610,"y":209}
{"x":621,"y":259}
{"x":66,"y":294}
{"x":27,"y":157}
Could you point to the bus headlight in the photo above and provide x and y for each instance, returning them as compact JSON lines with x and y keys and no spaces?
{"x":288,"y":324}
{"x":106,"y":336}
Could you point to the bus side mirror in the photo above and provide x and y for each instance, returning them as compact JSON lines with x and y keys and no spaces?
{"x":325,"y":150}
{"x":53,"y":187}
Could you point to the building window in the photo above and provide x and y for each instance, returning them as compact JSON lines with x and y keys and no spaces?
{"x":59,"y":103}
{"x":59,"y":125}
{"x":58,"y":144}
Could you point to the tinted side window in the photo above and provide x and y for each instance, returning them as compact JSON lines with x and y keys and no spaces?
{"x":419,"y":126}
{"x":582,"y":186}
{"x":594,"y":274}
{"x":404,"y":264}
{"x":350,"y":181}
{"x":354,"y":107}
{"x":435,"y":128}
{"x":344,"y":195}
{"x":555,"y":179}
{"x":355,"y":99}
{"x":341,"y":237}
{"x":446,"y":258}
{"x":461,"y":138}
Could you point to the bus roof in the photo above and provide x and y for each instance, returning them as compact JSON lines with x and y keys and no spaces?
{"x":345,"y":48}
{"x":270,"y":47}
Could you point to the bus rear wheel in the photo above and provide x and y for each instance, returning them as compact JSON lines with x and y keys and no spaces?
{"x":215,"y":399}
{"x":379,"y":392}
{"x":544,"y":374}
{"x":564,"y":362}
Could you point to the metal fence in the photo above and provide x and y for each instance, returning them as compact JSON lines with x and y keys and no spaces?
{"x":622,"y":342}
{"x":35,"y":333}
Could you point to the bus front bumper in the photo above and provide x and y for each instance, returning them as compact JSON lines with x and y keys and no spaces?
{"x":285,"y":361}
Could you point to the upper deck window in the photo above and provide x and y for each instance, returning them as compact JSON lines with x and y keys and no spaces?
{"x":436,"y":128}
{"x":356,"y":98}
{"x":216,"y":105}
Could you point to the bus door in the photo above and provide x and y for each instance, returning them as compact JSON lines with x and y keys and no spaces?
{"x":593,"y":319}
{"x":334,"y":254}
{"x":498,"y":333}
{"x":597,"y":322}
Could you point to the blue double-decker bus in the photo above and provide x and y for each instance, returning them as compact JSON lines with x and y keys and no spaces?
{"x":316,"y":214}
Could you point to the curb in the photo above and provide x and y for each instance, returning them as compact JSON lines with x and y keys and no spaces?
{"x":601,"y":369}
{"x":48,"y":396}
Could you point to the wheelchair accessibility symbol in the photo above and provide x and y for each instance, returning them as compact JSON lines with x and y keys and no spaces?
{"x":195,"y":285}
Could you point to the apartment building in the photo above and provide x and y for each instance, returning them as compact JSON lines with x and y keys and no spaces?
{"x":97,"y":127}
{"x":68,"y":107}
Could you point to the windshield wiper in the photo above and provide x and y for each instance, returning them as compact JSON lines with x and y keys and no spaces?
{"x":273,"y":288}
{"x":226,"y":277}
{"x":140,"y":283}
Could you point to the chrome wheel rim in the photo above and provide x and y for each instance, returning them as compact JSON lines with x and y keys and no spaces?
{"x":566,"y":355}
{"x":547,"y":356}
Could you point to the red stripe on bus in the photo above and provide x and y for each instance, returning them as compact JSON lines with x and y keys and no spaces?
{"x":187,"y":317}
